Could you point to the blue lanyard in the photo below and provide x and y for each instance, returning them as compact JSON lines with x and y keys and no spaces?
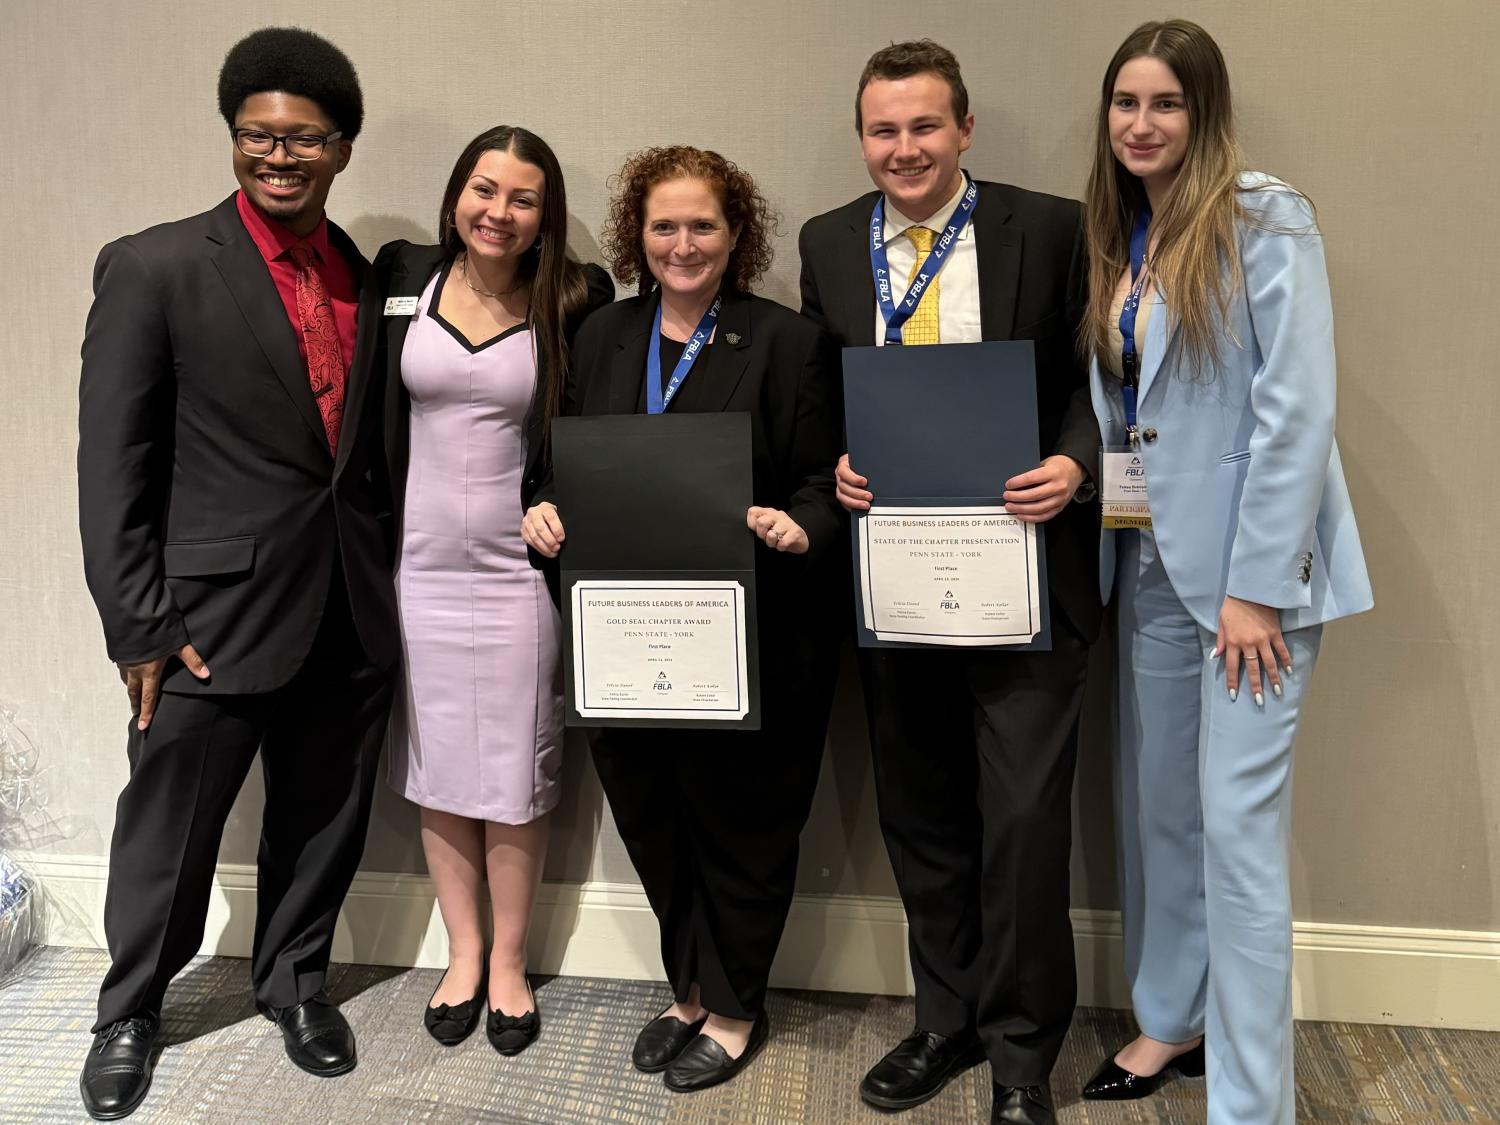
{"x":896,"y":316}
{"x":1130,"y":363}
{"x":656,"y":402}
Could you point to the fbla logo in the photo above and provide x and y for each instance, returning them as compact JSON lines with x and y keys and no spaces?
{"x":949,"y":601}
{"x":883,"y":283}
{"x":662,"y":683}
{"x":1135,"y":469}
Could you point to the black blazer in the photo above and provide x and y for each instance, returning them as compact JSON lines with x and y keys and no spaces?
{"x":403,"y":269}
{"x":765,"y":360}
{"x":210,"y":507}
{"x":1031,"y":287}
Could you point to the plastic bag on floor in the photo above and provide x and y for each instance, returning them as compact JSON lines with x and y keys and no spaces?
{"x":18,"y":915}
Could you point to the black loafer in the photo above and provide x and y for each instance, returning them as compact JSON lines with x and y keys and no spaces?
{"x":317,"y":1037}
{"x":918,"y":1067}
{"x":703,"y":1063}
{"x":451,"y":1024}
{"x":1022,"y":1105}
{"x":117,"y":1073}
{"x":1113,"y":1083}
{"x":661,"y":1041}
{"x":510,"y":1035}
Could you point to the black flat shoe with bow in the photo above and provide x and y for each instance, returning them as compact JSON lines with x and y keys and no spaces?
{"x":1113,"y":1083}
{"x":510,"y":1035}
{"x":451,"y":1024}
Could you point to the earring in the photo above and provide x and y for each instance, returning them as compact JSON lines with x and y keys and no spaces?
{"x":537,"y":245}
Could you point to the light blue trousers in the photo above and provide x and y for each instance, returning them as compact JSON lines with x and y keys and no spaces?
{"x":1203,"y":803}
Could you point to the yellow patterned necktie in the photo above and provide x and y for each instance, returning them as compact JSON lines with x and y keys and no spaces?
{"x":922,"y":326}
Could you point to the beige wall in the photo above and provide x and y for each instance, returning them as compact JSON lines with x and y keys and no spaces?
{"x":1384,"y":112}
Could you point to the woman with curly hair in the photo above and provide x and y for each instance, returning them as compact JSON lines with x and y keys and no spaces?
{"x":711,"y":818}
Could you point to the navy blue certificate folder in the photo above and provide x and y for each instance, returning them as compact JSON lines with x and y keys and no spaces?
{"x":941,"y":425}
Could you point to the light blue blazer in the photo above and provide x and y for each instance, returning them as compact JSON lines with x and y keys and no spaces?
{"x":1246,"y":490}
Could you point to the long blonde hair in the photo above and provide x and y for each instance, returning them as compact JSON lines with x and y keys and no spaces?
{"x":1195,"y":264}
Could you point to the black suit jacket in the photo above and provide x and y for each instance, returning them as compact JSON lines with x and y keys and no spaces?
{"x":211,"y":509}
{"x":1031,"y":287}
{"x":779,"y":369}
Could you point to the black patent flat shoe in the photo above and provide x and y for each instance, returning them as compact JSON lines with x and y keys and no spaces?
{"x":451,"y":1024}
{"x":661,"y":1041}
{"x":510,"y":1035}
{"x":1113,"y":1083}
{"x":704,"y":1063}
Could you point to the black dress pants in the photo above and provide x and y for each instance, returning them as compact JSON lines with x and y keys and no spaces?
{"x":319,"y":739}
{"x":711,"y":820}
{"x":974,"y":757}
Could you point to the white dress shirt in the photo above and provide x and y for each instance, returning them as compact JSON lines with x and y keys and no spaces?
{"x":958,"y":291}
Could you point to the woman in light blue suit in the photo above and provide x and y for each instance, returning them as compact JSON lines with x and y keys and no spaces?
{"x":1211,"y":334}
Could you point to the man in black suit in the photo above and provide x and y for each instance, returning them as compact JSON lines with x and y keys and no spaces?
{"x":974,"y":750}
{"x":231,"y":499}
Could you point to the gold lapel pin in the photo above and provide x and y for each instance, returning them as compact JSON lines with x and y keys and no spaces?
{"x":732,"y":337}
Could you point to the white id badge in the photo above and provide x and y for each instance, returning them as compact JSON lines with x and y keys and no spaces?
{"x":1123,"y":500}
{"x":400,"y":306}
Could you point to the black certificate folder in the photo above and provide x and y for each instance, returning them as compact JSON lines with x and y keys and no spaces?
{"x":658,"y":571}
{"x":942,"y":425}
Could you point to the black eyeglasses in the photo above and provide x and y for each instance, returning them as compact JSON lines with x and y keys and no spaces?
{"x":299,"y":146}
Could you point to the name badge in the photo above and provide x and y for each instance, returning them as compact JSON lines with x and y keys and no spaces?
{"x":1122,"y":500}
{"x":400,"y":306}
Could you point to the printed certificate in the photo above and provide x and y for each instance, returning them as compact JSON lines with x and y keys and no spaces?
{"x":660,"y":649}
{"x":949,"y":576}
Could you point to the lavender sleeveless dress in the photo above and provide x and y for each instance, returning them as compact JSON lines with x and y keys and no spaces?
{"x":478,"y":729}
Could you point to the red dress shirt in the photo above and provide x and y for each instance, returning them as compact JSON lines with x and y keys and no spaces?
{"x":274,"y":241}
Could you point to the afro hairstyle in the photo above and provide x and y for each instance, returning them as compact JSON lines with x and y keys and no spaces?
{"x":292,"y":61}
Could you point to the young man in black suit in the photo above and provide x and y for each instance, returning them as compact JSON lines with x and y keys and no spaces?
{"x":232,"y":499}
{"x":973,"y":749}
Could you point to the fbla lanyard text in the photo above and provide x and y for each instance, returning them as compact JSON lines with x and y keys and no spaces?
{"x":895,"y":315}
{"x":656,"y":400}
{"x":1130,"y":362}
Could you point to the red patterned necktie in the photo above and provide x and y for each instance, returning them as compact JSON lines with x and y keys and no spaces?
{"x":320,"y":339}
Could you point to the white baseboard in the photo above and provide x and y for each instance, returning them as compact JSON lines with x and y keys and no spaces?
{"x":1363,"y":974}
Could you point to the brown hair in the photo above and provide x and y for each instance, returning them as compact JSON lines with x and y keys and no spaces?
{"x":558,"y":287}
{"x":745,"y":208}
{"x":904,"y":60}
{"x":1196,"y":263}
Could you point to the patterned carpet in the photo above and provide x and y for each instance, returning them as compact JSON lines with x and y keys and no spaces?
{"x":224,"y":1063}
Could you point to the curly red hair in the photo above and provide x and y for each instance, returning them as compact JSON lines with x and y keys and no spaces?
{"x":744,"y":207}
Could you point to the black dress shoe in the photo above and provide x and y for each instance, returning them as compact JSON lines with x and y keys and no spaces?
{"x":703,"y":1063}
{"x":918,"y":1067}
{"x":451,"y":1024}
{"x":510,"y":1035}
{"x":117,"y":1073}
{"x":1113,"y":1083}
{"x":1022,"y":1105}
{"x":317,"y":1037}
{"x":661,"y":1041}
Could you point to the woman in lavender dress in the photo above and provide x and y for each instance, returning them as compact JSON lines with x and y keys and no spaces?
{"x":477,"y":332}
